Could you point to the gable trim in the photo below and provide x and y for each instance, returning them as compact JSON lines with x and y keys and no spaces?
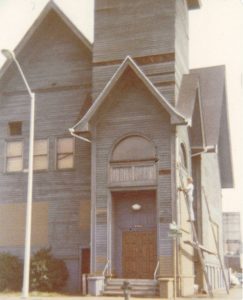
{"x":176,"y":117}
{"x":51,"y":5}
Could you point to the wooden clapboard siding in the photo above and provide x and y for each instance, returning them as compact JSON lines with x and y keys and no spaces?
{"x":158,"y":30}
{"x":58,"y":68}
{"x":206,"y":174}
{"x":181,"y":43}
{"x":150,"y":41}
{"x":162,"y":75}
{"x":210,"y":179}
{"x":133,"y":28}
{"x":186,"y":252}
{"x":53,"y":57}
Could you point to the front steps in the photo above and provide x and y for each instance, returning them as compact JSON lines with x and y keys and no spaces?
{"x":139,"y":287}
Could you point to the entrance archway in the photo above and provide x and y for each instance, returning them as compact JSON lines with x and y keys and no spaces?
{"x":132,"y":180}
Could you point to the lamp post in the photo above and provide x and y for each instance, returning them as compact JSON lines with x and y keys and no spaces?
{"x":26,"y":275}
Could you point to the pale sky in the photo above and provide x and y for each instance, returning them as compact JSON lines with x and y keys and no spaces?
{"x":216,"y":38}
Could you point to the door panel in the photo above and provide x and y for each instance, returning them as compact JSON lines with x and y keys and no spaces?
{"x":85,"y":267}
{"x":138,"y":254}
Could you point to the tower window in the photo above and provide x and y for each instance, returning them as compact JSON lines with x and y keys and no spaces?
{"x":15,"y":128}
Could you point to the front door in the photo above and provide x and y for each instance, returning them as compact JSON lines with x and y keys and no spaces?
{"x":139,"y":254}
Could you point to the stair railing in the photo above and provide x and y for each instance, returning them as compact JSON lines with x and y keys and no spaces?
{"x":156,"y":270}
{"x":106,"y":268}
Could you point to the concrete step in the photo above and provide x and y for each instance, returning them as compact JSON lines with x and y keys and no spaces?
{"x":139,"y":287}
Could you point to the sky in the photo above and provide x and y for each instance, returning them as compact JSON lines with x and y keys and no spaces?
{"x":216,"y":38}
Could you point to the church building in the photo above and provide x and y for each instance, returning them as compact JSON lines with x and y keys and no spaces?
{"x":120,"y":125}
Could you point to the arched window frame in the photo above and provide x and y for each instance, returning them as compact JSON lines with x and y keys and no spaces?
{"x":183,"y":156}
{"x":136,"y":171}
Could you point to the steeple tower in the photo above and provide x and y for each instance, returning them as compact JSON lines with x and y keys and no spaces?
{"x":154,"y":33}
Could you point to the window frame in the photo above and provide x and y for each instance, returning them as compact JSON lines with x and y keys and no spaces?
{"x":6,"y":157}
{"x":11,"y":124}
{"x":56,"y":153}
{"x":38,"y":155}
{"x":183,"y":155}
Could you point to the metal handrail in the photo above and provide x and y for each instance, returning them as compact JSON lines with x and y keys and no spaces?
{"x":156,"y":270}
{"x":106,"y":267}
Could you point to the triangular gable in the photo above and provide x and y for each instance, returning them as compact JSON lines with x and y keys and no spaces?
{"x":51,"y":6}
{"x":189,"y":105}
{"x":176,"y":117}
{"x":210,"y":83}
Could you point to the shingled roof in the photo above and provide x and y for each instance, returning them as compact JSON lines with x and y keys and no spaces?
{"x":208,"y":84}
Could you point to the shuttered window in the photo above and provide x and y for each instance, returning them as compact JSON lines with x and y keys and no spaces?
{"x":40,"y":154}
{"x":14,"y":156}
{"x":65,"y":153}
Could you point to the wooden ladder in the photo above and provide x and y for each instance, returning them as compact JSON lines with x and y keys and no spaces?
{"x":216,"y":243}
{"x":195,"y":238}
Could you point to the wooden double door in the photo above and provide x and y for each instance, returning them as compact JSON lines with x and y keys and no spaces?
{"x":139,"y":254}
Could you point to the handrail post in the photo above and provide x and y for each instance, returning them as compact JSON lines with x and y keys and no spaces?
{"x":156,"y":269}
{"x":106,"y":267}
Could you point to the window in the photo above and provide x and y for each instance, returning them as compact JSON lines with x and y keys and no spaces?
{"x":40,"y":155}
{"x":133,"y":162}
{"x":15,"y":128}
{"x":14,"y":156}
{"x":183,"y":156}
{"x":65,"y":153}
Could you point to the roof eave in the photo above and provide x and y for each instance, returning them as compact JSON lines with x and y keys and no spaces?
{"x":176,"y":117}
{"x":194,"y":4}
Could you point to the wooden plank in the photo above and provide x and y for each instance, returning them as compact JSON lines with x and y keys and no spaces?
{"x":139,"y":254}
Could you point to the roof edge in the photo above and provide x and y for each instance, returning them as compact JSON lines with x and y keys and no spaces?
{"x":194,"y":4}
{"x":177,"y":117}
{"x":51,"y":5}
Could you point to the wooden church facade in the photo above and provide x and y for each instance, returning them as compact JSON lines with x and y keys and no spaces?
{"x":105,"y":196}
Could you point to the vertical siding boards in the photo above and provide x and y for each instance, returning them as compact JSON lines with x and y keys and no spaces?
{"x":58,"y":68}
{"x":130,"y":110}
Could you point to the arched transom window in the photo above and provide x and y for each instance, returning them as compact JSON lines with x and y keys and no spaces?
{"x":133,"y":162}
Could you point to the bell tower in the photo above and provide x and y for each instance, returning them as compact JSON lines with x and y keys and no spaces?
{"x":154,"y":33}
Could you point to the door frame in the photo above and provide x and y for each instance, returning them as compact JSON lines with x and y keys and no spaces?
{"x":81,"y":248}
{"x":110,"y":225}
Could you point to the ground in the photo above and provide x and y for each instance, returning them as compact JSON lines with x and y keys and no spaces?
{"x":235,"y":294}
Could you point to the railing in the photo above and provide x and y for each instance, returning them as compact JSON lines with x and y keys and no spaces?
{"x":106,"y":267}
{"x":156,"y":270}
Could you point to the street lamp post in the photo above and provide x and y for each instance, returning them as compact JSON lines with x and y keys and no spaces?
{"x":26,"y":275}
